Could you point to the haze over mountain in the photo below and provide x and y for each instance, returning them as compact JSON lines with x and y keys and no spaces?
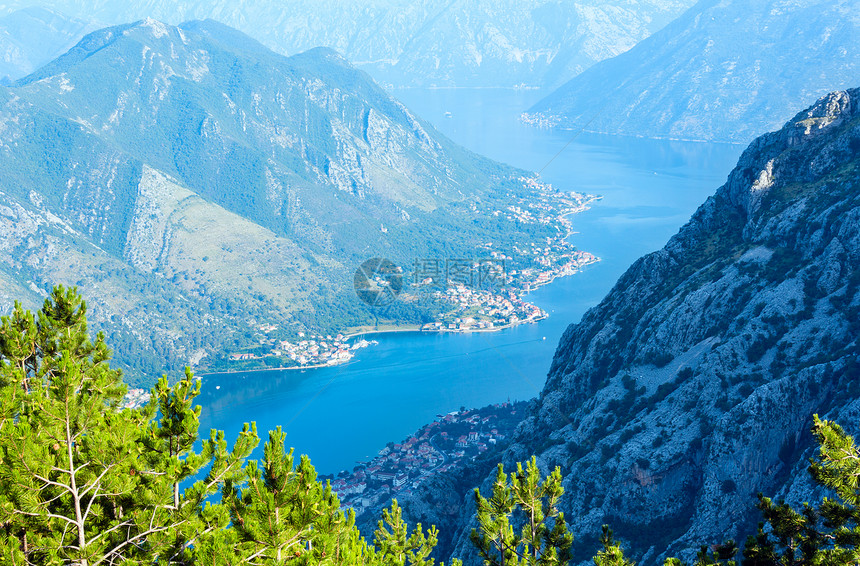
{"x":33,"y":36}
{"x":196,"y":185}
{"x":425,"y":43}
{"x":690,"y":388}
{"x":724,"y":71}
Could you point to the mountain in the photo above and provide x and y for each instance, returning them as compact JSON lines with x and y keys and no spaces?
{"x":33,"y":36}
{"x":198,"y":187}
{"x":425,"y":43}
{"x":691,"y":387}
{"x":724,"y":71}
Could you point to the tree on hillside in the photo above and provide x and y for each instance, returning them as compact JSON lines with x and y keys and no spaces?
{"x":826,"y":534}
{"x":520,"y":522}
{"x":168,"y":452}
{"x":82,"y":481}
{"x":611,"y":555}
{"x":398,"y":547}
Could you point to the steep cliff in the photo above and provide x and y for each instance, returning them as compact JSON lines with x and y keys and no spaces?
{"x":690,"y":387}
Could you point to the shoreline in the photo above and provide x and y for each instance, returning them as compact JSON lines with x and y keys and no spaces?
{"x":410,"y":329}
{"x":417,"y":330}
{"x":290,"y":368}
{"x":362,"y":331}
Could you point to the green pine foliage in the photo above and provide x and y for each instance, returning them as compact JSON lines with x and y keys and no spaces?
{"x":85,"y":482}
{"x":82,"y":481}
{"x":396,"y":546}
{"x":283,"y":512}
{"x":611,"y":555}
{"x":542,"y":536}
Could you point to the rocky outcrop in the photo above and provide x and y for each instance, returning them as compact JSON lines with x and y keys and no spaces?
{"x":690,"y":388}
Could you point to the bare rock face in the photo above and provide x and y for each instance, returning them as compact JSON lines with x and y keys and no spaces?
{"x":691,"y":387}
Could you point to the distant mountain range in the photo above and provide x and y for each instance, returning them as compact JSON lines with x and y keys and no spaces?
{"x":33,"y":36}
{"x":724,"y":71}
{"x":196,"y":185}
{"x":425,"y":43}
{"x":691,"y":387}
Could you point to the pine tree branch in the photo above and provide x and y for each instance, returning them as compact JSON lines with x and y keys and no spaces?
{"x":47,"y":514}
{"x":47,"y":481}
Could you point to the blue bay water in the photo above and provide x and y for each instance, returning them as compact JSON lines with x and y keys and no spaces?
{"x":344,"y":414}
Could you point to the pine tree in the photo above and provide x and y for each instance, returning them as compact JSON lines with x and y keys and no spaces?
{"x":397,"y":547}
{"x":496,"y":541}
{"x":611,"y":555}
{"x":720,"y":555}
{"x":283,"y":514}
{"x":532,"y":505}
{"x":69,"y":457}
{"x":82,"y":481}
{"x":169,"y":455}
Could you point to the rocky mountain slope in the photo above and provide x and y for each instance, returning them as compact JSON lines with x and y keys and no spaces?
{"x":33,"y":36}
{"x":724,"y":71}
{"x":197,"y":185}
{"x":690,"y":388}
{"x":425,"y":43}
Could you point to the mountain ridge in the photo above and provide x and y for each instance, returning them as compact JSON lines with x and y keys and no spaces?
{"x":690,"y":388}
{"x":722,"y":71}
{"x":235,"y":186}
{"x":477,"y":43}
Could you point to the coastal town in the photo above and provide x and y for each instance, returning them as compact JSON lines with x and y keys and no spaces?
{"x":485,"y":293}
{"x":314,"y":350}
{"x":445,"y":443}
{"x":483,"y":310}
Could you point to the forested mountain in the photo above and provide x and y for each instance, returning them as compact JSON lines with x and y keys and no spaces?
{"x":425,"y":43}
{"x":196,"y":185}
{"x":33,"y":36}
{"x":723,"y":71}
{"x":691,"y":387}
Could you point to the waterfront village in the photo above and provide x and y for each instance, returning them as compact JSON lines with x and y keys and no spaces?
{"x":474,"y":307}
{"x":308,"y":351}
{"x":435,"y":448}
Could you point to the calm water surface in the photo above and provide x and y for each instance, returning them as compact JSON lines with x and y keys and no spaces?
{"x":343,"y":414}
